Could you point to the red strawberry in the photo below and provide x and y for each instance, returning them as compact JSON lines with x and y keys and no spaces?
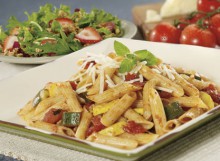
{"x":64,"y":21}
{"x":89,"y":36}
{"x":9,"y":43}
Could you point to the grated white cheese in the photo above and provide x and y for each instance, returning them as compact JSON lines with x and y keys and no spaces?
{"x":83,"y":88}
{"x":133,"y":80}
{"x":102,"y":81}
{"x":168,"y":73}
{"x":136,"y":68}
{"x":141,"y":77}
{"x":164,"y":89}
{"x":109,"y":81}
{"x":156,"y":70}
{"x":79,"y":76}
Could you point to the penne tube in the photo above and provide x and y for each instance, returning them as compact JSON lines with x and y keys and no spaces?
{"x":130,"y":114}
{"x":118,"y":142}
{"x":177,"y":90}
{"x":146,"y":93}
{"x":170,"y":125}
{"x":96,"y":87}
{"x":189,"y":88}
{"x":71,"y":97}
{"x":26,"y":109}
{"x":192,"y":101}
{"x":141,"y":138}
{"x":84,"y":124}
{"x":52,"y":128}
{"x":46,"y":103}
{"x":116,"y":79}
{"x":190,"y":114}
{"x":118,"y":109}
{"x":199,"y":84}
{"x":113,"y":93}
{"x":138,"y":104}
{"x":86,"y":80}
{"x":157,"y":110}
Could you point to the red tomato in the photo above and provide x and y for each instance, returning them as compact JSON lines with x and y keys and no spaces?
{"x":134,"y":128}
{"x":193,"y":35}
{"x":96,"y":125}
{"x":73,"y":85}
{"x":215,"y":26}
{"x":164,"y":94}
{"x":53,"y":116}
{"x":207,"y":5}
{"x":165,"y":32}
{"x":130,"y":76}
{"x":212,"y":91}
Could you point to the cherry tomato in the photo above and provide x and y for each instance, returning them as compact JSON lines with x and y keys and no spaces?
{"x":193,"y":35}
{"x":215,"y":26}
{"x":130,"y":76}
{"x":165,"y":32}
{"x":207,"y":5}
{"x":134,"y":128}
{"x":53,"y":116}
{"x":213,"y":92}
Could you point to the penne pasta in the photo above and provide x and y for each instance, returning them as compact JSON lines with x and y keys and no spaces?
{"x":170,"y":125}
{"x":177,"y":90}
{"x":189,"y":88}
{"x":117,"y":142}
{"x":62,"y":130}
{"x":130,"y":114}
{"x":96,"y":87}
{"x":157,"y":110}
{"x":114,"y":93}
{"x":124,"y":100}
{"x":190,"y":114}
{"x":118,"y":109}
{"x":192,"y":101}
{"x":84,"y":124}
{"x":141,"y":138}
{"x":71,"y":97}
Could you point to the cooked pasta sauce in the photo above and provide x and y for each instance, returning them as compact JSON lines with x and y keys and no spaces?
{"x":124,"y":99}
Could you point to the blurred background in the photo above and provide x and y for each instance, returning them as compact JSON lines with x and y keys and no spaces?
{"x":120,"y":8}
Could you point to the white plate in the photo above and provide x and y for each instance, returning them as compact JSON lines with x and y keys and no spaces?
{"x":16,"y":91}
{"x":130,"y":30}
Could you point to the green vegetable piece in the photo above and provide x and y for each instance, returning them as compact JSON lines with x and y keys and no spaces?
{"x":145,"y":55}
{"x":173,"y":110}
{"x":197,"y":77}
{"x":71,"y":119}
{"x":2,"y":35}
{"x":41,"y":95}
{"x":121,"y":49}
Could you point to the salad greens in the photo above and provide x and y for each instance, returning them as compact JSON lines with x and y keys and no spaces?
{"x":53,"y":31}
{"x":131,"y":59}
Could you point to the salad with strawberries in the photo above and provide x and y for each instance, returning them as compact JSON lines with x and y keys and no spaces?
{"x":57,"y":31}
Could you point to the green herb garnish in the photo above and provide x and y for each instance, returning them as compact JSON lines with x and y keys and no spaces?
{"x":131,"y":59}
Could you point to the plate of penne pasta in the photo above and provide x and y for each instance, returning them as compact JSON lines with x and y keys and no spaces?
{"x":121,"y":99}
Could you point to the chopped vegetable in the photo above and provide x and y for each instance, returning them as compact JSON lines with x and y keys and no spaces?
{"x":71,"y":119}
{"x":42,"y":94}
{"x":53,"y":115}
{"x":207,"y":99}
{"x":173,"y":110}
{"x":114,"y":130}
{"x":134,"y":128}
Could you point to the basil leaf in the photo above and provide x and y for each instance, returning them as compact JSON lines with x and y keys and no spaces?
{"x":126,"y":65}
{"x":145,"y":55}
{"x":120,"y":49}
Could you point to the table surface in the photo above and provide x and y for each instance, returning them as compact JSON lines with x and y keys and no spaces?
{"x":202,"y":144}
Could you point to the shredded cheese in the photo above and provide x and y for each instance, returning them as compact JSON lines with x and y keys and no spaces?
{"x":83,"y":88}
{"x":102,"y":81}
{"x":164,"y":89}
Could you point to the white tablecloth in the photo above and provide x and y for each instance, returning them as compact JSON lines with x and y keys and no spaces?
{"x":201,"y":145}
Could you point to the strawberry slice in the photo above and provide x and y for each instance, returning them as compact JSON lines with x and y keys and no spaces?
{"x":9,"y":43}
{"x":89,"y":36}
{"x":64,"y":21}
